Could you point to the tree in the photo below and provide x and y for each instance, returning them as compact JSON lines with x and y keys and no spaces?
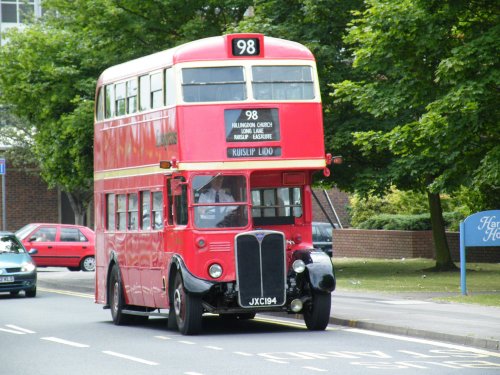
{"x":48,"y":71}
{"x":428,"y":80}
{"x":320,"y":25}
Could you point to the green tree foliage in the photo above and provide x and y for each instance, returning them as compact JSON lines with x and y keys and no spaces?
{"x":404,"y":203}
{"x":49,"y":69}
{"x":428,"y":80}
{"x":320,"y":25}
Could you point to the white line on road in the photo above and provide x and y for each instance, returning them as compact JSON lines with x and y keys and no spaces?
{"x":162,"y":337}
{"x":12,"y":331}
{"x":276,"y":361}
{"x":213,"y":347}
{"x":19,"y":328}
{"x":244,"y":354}
{"x":65,"y":342}
{"x":67,"y":292}
{"x":187,"y":342}
{"x":192,"y":373}
{"x":315,"y":369}
{"x":423,"y":341}
{"x":135,"y":359}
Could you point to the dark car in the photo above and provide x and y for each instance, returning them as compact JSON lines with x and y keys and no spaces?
{"x":17,"y":269}
{"x":60,"y":245}
{"x":322,"y":234}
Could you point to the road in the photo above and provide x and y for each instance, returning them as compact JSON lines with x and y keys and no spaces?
{"x":62,"y":331}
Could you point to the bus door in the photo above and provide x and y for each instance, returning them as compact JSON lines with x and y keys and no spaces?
{"x":150,"y":243}
{"x":176,"y":217}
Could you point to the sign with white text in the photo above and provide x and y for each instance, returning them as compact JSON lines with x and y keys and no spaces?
{"x":252,"y":125}
{"x":478,"y":230}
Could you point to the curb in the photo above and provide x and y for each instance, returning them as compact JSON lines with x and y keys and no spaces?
{"x":482,"y":343}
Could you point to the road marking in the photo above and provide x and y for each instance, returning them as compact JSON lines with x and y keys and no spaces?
{"x":187,"y":342}
{"x":135,"y":359}
{"x":67,"y":292}
{"x":12,"y":331}
{"x":193,"y":373}
{"x":282,"y":322}
{"x":423,"y":341}
{"x":163,"y":337}
{"x":19,"y":328}
{"x":314,"y":369}
{"x":243,"y":354}
{"x":405,"y":302}
{"x":213,"y":347}
{"x":277,"y":361}
{"x":65,"y":342}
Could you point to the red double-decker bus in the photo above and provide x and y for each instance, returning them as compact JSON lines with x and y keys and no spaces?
{"x":204,"y":157}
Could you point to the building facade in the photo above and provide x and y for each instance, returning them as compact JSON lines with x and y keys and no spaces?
{"x":15,"y":13}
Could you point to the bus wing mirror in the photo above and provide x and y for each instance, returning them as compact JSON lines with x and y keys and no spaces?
{"x":176,"y":187}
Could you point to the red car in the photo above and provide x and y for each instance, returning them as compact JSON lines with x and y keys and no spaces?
{"x":60,"y":245}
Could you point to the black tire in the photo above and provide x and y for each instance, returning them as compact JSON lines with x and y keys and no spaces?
{"x":31,"y":292}
{"x":317,"y":312}
{"x":116,"y":298}
{"x":88,"y":264}
{"x":187,"y":307}
{"x":74,"y":269}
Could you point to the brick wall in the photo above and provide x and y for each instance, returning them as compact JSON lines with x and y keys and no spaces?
{"x":395,"y":244}
{"x":339,"y":199}
{"x":28,"y":200}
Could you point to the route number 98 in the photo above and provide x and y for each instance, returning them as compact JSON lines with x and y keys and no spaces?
{"x":246,"y":47}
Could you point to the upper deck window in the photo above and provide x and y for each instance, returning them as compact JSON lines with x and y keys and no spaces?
{"x":282,"y":83}
{"x":213,"y":84}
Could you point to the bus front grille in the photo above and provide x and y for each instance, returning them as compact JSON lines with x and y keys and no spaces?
{"x":261,"y":269}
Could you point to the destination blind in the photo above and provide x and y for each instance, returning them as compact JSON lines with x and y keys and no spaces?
{"x":252,"y":125}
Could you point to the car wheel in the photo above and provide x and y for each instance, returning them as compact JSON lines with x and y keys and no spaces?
{"x":317,"y":312}
{"x":116,"y":298}
{"x":74,"y":269}
{"x":31,"y":292}
{"x":88,"y":264}
{"x":187,"y":308}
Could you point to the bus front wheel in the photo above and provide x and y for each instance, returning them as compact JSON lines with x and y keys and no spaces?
{"x":188,"y":309}
{"x":317,"y":312}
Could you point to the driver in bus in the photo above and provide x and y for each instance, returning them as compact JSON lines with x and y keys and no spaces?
{"x":216,"y":194}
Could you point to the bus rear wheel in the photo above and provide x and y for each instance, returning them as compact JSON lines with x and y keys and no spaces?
{"x":187,"y":308}
{"x":116,"y":298}
{"x":317,"y":312}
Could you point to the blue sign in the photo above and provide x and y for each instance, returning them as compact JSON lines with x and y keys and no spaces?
{"x":3,"y":168}
{"x":479,"y":229}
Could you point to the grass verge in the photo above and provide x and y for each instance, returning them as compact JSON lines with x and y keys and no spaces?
{"x":413,"y":275}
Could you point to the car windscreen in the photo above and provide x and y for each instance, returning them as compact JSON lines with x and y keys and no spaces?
{"x":10,"y":244}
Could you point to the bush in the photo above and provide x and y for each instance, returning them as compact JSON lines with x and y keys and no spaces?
{"x":408,"y":222}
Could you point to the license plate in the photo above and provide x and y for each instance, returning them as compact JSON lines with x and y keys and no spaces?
{"x":6,"y":279}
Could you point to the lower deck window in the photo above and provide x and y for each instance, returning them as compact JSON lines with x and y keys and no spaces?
{"x":276,"y":205}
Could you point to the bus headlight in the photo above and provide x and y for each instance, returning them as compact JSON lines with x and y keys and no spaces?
{"x":299,"y":266}
{"x":215,"y":271}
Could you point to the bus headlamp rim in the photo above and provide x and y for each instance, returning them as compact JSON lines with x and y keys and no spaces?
{"x":299,"y":266}
{"x":215,"y":270}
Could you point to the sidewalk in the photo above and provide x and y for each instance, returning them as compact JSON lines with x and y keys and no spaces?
{"x":417,"y":315}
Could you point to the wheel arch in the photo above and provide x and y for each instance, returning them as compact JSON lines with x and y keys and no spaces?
{"x":320,"y":271}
